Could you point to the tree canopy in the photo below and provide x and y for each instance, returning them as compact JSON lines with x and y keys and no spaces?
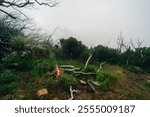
{"x":72,"y":48}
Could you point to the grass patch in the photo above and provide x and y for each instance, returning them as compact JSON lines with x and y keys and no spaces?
{"x":41,"y":67}
{"x":67,"y":80}
{"x":107,"y":81}
{"x":91,"y":68}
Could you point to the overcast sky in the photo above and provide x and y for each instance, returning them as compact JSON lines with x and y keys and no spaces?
{"x":96,"y":21}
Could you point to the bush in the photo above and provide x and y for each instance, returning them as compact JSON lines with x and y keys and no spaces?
{"x":72,"y":48}
{"x":18,"y":61}
{"x":135,"y":69}
{"x":102,"y":53}
{"x":67,"y":80}
{"x":90,"y":68}
{"x":107,"y":81}
{"x":8,"y":83}
{"x":147,"y":84}
{"x":41,"y":67}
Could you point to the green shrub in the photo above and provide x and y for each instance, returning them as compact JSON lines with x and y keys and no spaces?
{"x":135,"y":69}
{"x":8,"y":83}
{"x":49,"y":83}
{"x":90,"y":68}
{"x":147,"y":84}
{"x":67,"y":80}
{"x":17,"y":60}
{"x":107,"y":81}
{"x":41,"y":67}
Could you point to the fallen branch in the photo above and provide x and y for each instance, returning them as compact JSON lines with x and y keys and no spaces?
{"x":67,"y":66}
{"x":71,"y":93}
{"x":70,"y":70}
{"x":95,"y":83}
{"x":87,"y":61}
{"x":84,"y":73}
{"x":101,"y":65}
{"x":91,"y":85}
{"x":82,"y":82}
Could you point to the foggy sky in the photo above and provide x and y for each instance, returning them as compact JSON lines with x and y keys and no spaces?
{"x":96,"y":21}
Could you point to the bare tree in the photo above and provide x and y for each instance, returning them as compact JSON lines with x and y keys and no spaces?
{"x":139,"y":44}
{"x":121,"y":43}
{"x":16,"y":5}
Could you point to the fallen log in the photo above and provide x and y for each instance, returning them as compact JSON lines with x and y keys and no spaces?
{"x":67,"y":66}
{"x":84,"y":73}
{"x":70,"y":69}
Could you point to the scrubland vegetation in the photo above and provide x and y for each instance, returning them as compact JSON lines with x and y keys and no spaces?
{"x":26,"y":64}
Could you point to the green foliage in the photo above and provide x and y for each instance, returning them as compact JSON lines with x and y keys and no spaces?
{"x":7,"y":77}
{"x":101,"y":53}
{"x":134,"y":69}
{"x":140,"y":58}
{"x":40,"y":67}
{"x":8,"y":83}
{"x":50,"y":83}
{"x":90,"y":68}
{"x":146,"y":59}
{"x":107,"y":81}
{"x":72,"y":48}
{"x":18,"y":43}
{"x":128,"y":55}
{"x":8,"y":29}
{"x":18,"y":61}
{"x":67,"y":80}
{"x":146,"y":83}
{"x":32,"y":47}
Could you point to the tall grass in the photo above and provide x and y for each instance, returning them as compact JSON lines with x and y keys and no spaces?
{"x":67,"y":80}
{"x":107,"y":81}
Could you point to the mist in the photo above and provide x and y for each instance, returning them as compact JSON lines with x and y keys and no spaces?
{"x":96,"y":22}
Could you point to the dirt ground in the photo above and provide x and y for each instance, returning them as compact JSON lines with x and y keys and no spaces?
{"x":130,"y":86}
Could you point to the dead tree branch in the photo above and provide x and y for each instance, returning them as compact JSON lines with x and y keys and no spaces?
{"x":91,"y":85}
{"x":139,"y":43}
{"x":84,"y":73}
{"x":87,"y":61}
{"x":71,"y":93}
{"x":50,"y":36}
{"x":120,"y":42}
{"x":101,"y":65}
{"x":17,"y":5}
{"x":75,"y":70}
